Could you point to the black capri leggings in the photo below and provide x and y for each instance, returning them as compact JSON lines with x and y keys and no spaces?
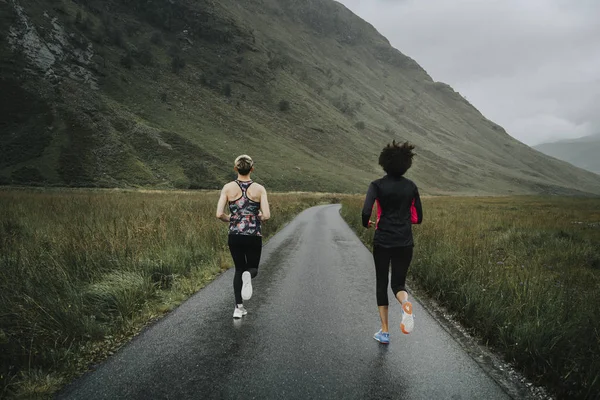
{"x":400,"y":258}
{"x":245,"y":251}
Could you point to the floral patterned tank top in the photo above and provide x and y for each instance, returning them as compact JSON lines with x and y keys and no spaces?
{"x":244,"y":213}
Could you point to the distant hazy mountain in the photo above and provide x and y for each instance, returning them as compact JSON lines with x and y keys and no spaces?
{"x":583,"y":152}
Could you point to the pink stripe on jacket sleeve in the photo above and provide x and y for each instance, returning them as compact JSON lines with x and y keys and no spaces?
{"x":414,"y":217}
{"x":378,"y":213}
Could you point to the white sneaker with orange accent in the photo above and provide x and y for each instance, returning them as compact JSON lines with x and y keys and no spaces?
{"x":408,"y":321}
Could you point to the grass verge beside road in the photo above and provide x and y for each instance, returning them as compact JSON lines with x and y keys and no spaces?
{"x":82,"y":271}
{"x":522,"y":273}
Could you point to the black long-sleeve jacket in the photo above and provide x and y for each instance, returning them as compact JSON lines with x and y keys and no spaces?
{"x":398,"y":207}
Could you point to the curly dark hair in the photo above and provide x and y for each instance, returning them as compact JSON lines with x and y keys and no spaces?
{"x":396,"y":158}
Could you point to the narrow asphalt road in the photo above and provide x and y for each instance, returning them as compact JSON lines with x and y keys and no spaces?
{"x":307,"y":335}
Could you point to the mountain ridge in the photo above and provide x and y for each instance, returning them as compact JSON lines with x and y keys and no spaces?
{"x":166,"y":95}
{"x":581,"y":152}
{"x":587,"y":138}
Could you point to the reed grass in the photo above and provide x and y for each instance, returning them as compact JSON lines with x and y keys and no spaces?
{"x":82,"y":271}
{"x":522,"y":273}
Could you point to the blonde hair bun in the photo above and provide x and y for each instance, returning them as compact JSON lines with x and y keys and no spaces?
{"x":244,"y":158}
{"x":243,"y":163}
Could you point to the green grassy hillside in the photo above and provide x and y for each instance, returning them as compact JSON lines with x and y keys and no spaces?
{"x":167,"y":93}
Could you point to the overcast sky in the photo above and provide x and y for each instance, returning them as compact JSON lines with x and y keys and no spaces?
{"x":532,"y":66}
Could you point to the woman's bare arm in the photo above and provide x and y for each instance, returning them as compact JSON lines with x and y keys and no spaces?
{"x":265,"y":212}
{"x":221,"y":206}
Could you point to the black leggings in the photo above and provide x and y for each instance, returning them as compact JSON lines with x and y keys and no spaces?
{"x":245,"y":251}
{"x":400,"y":258}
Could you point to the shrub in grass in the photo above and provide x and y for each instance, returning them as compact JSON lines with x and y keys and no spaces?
{"x":119,"y":292}
{"x":131,"y":28}
{"x":145,"y":56}
{"x":284,"y":105}
{"x":156,"y":38}
{"x":30,"y":175}
{"x":115,"y":36}
{"x":227,"y":90}
{"x":127,"y":60}
{"x":177,"y":63}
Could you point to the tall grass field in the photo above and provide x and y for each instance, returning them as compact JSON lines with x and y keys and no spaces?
{"x":83,"y":271}
{"x":522,"y":273}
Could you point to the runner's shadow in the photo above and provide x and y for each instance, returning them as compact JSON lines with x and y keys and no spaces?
{"x":237,"y":323}
{"x":385,"y":381}
{"x":383,"y":350}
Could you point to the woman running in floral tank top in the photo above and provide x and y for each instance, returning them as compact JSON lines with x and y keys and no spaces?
{"x":244,"y":213}
{"x":248,"y":207}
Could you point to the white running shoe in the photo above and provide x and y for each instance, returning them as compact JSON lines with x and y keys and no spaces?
{"x":239,"y":311}
{"x":408,"y":321}
{"x":246,"y":286}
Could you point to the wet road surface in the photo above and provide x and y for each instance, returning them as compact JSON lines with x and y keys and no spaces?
{"x":308,"y":335}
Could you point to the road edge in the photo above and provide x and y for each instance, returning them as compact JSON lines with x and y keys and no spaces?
{"x":512,"y":382}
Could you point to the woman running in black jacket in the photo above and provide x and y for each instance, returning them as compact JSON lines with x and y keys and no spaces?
{"x":398,"y":207}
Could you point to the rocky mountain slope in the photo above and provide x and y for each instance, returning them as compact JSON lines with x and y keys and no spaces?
{"x":165,"y":93}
